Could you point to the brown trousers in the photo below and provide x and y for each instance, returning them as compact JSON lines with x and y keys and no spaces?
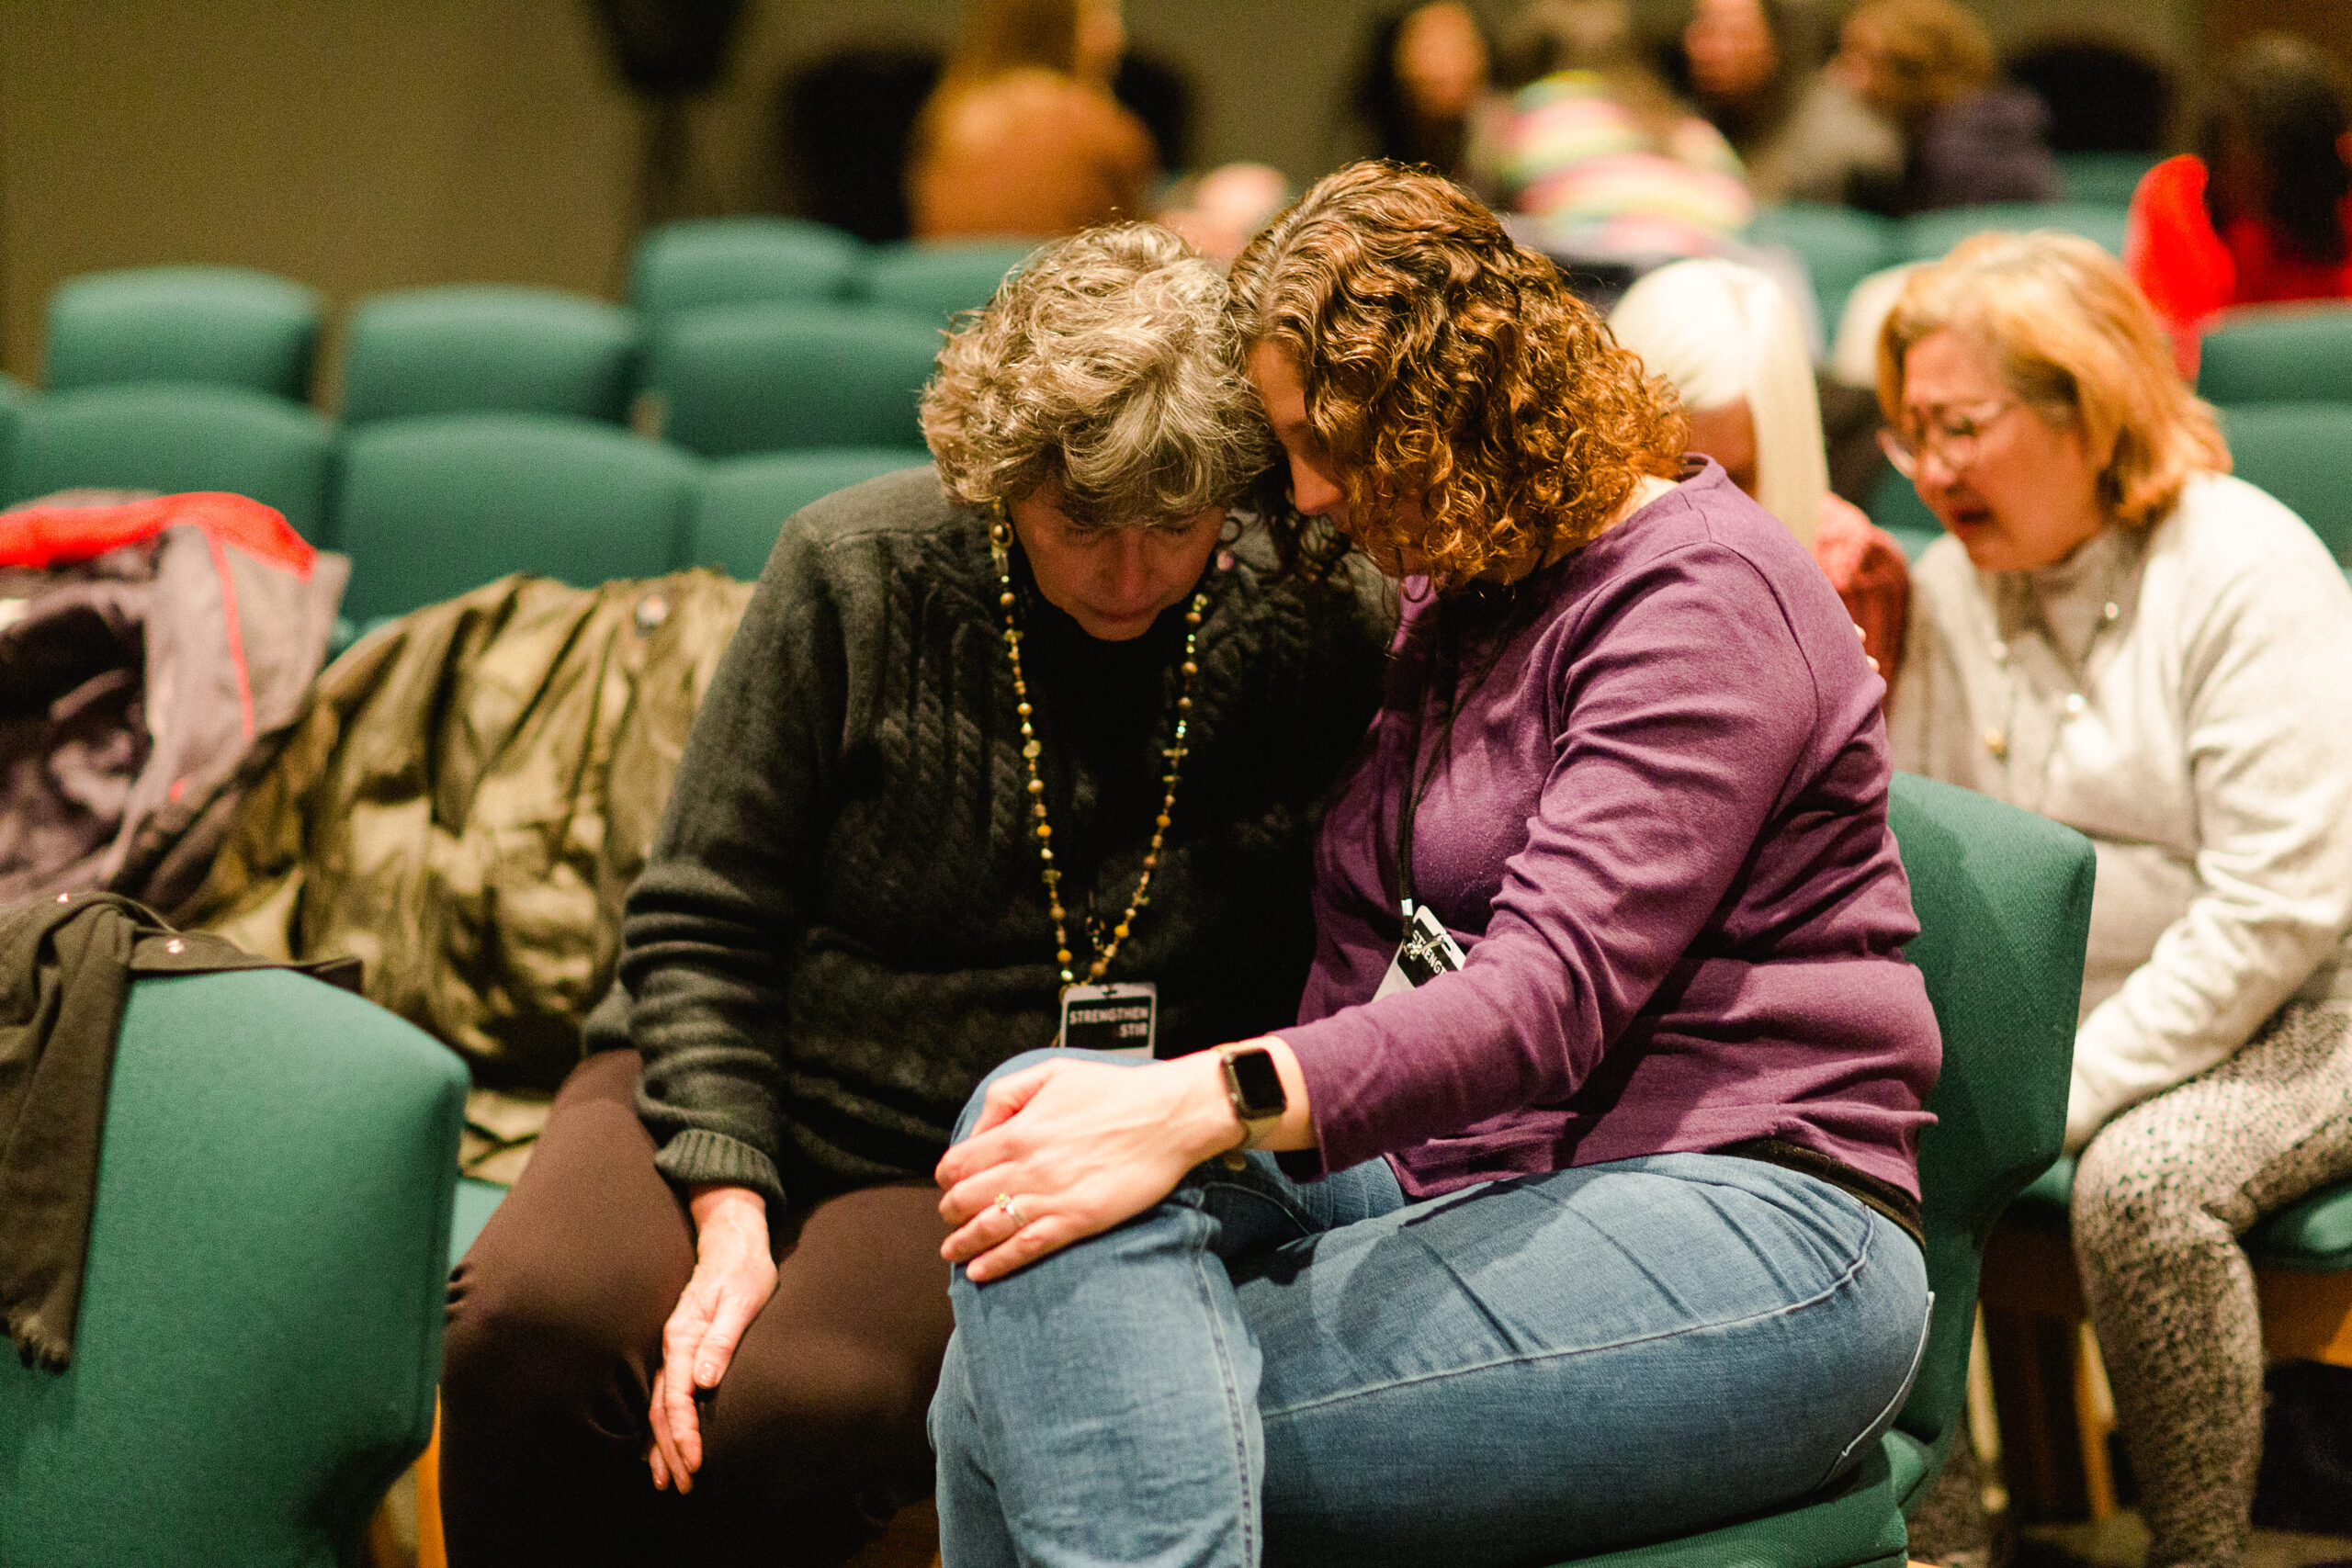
{"x":811,"y":1441}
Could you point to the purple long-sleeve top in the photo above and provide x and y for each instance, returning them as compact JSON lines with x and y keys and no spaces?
{"x":1660,"y":834}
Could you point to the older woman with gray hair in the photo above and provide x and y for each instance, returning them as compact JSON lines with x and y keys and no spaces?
{"x":1041,"y":721}
{"x":2119,"y":635}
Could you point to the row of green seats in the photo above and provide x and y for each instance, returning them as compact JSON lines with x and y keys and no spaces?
{"x":429,"y":507}
{"x":741,"y":335}
{"x":1840,"y":245}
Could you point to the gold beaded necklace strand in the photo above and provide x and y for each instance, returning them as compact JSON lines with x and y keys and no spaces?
{"x":999,"y":551}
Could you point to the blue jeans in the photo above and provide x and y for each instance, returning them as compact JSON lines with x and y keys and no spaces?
{"x":1257,"y":1370}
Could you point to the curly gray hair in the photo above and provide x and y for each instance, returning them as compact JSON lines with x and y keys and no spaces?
{"x":1109,"y":368}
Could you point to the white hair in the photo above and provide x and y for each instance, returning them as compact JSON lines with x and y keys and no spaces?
{"x":1720,"y":334}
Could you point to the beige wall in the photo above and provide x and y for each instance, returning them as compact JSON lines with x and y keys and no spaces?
{"x":367,"y":144}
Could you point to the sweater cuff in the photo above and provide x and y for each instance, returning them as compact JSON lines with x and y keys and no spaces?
{"x":696,"y":1156}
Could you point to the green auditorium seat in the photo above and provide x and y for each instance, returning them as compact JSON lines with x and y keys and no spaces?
{"x":13,"y":397}
{"x":931,"y":281}
{"x":741,"y":261}
{"x":474,"y":348}
{"x":1838,"y":245}
{"x":223,"y":324}
{"x":169,"y":436}
{"x":1932,"y":234}
{"x":2302,"y":453}
{"x":738,"y":378}
{"x":428,"y":508}
{"x":260,"y":1329}
{"x":745,"y":499}
{"x":2277,"y":354}
{"x":2104,"y":179}
{"x":1894,"y":505}
{"x":2004,"y":900}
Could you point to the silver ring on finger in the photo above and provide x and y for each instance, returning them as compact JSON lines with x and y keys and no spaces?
{"x":1011,"y":1210}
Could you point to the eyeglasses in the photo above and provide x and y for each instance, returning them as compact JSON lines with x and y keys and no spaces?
{"x":1951,"y":434}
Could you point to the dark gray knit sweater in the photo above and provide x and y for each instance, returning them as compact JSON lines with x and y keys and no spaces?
{"x":841,"y":928}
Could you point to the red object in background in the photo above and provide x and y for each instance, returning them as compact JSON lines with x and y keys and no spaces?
{"x":44,"y":536}
{"x":2191,"y":272}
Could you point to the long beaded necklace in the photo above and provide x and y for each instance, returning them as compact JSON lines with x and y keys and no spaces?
{"x":999,"y":552}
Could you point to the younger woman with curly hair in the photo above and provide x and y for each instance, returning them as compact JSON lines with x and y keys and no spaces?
{"x":1593,"y":1147}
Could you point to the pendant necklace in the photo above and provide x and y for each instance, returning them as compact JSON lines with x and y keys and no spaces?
{"x":1000,"y":553}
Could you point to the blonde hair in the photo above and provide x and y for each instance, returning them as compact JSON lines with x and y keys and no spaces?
{"x":1110,"y":367}
{"x":2072,"y":337}
{"x":1723,"y":333}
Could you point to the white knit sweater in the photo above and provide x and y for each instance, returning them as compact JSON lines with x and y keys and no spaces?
{"x":2182,"y":695}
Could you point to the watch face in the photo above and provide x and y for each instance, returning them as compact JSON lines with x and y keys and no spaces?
{"x":1260,"y":1086}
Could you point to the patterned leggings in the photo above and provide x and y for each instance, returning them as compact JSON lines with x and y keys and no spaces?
{"x":2163,"y":1193}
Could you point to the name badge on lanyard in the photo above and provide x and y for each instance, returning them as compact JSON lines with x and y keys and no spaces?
{"x":1426,"y":952}
{"x":1120,"y":1019}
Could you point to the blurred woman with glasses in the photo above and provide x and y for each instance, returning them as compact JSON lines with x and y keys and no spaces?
{"x":2120,"y":637}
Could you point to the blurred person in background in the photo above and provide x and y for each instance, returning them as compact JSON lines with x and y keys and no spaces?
{"x":970,"y":715}
{"x":1424,"y":74}
{"x":1927,"y":67}
{"x":1728,"y":340}
{"x":1592,"y":146}
{"x":1022,"y":135}
{"x":2122,"y":637}
{"x":1218,"y":212}
{"x":2262,"y":212}
{"x":1753,"y":69}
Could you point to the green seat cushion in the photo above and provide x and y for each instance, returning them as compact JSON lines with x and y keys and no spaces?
{"x":745,"y":499}
{"x":2296,"y":452}
{"x":1932,"y":234}
{"x":431,"y":508}
{"x":475,"y":348}
{"x":260,"y":1330}
{"x":1838,"y":245}
{"x":1856,"y":1524}
{"x":227,"y":325}
{"x":931,"y":282}
{"x":2310,"y":1235}
{"x":2282,"y":354}
{"x":173,"y":438}
{"x":698,"y":261}
{"x":739,"y":378}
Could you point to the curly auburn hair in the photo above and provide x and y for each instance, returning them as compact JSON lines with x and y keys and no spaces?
{"x":1447,"y":366}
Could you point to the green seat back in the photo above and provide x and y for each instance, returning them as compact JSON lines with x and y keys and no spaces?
{"x":741,"y":261}
{"x":2004,"y":901}
{"x":931,"y":281}
{"x":1932,"y":234}
{"x":13,"y":397}
{"x":479,"y":348}
{"x":2277,"y":354}
{"x":2302,"y":453}
{"x":2104,"y":179}
{"x":223,"y":324}
{"x":745,"y":499}
{"x":260,"y":1330}
{"x":739,"y":378}
{"x":1894,"y":505}
{"x":1838,"y":245}
{"x":430,"y":508}
{"x":171,"y":438}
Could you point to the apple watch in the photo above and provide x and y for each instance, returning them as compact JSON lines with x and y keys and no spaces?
{"x":1255,"y":1086}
